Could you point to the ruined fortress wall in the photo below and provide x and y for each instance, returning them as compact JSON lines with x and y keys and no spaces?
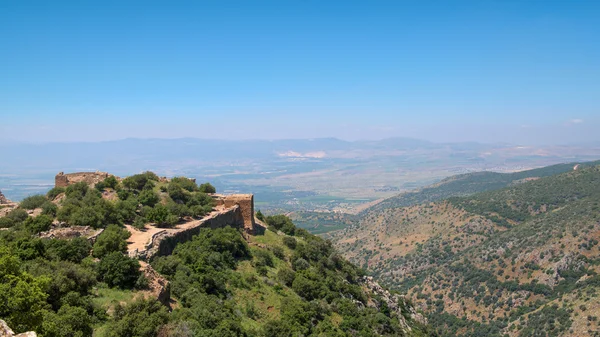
{"x":90,"y":178}
{"x":246,"y":204}
{"x":164,"y":242}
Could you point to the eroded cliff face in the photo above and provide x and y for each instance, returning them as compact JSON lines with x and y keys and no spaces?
{"x":404,"y":310}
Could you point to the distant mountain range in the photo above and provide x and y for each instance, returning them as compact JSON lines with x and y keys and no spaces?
{"x":340,"y":175}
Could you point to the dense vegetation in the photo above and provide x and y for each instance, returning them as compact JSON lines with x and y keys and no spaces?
{"x":522,"y":260}
{"x":286,"y":282}
{"x":470,"y":183}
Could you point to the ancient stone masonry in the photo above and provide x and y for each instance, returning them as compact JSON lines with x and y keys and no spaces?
{"x":246,"y":204}
{"x":90,"y":178}
{"x":163,"y":242}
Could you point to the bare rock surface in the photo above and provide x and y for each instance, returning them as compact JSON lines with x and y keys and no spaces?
{"x":6,"y":331}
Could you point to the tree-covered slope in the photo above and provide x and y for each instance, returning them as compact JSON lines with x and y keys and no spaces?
{"x":223,"y":282}
{"x":518,"y":261}
{"x":471,"y":183}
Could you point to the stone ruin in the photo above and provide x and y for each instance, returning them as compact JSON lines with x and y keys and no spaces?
{"x":245,"y":201}
{"x":90,"y":178}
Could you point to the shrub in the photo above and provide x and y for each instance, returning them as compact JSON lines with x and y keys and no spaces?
{"x":32,"y":202}
{"x":112,"y":239}
{"x":207,"y":188}
{"x":140,"y":318}
{"x":50,"y":209}
{"x":263,"y":258}
{"x":118,"y":270}
{"x":278,"y":252}
{"x":286,"y":276}
{"x":148,"y":198}
{"x":260,"y":216}
{"x":185,"y":183}
{"x":290,"y":242}
{"x":77,"y":191}
{"x":39,"y":224}
{"x":6,"y":222}
{"x":54,"y":192}
{"x":74,"y":250}
{"x":17,"y":215}
{"x":138,"y":182}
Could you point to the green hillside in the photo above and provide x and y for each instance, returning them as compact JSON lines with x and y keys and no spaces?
{"x":518,"y":261}
{"x":471,"y":183}
{"x":223,"y":282}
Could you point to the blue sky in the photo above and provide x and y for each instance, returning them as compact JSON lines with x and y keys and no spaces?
{"x":516,"y":71}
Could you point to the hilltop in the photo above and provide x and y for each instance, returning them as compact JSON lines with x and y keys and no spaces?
{"x":519,"y":259}
{"x":152,"y":256}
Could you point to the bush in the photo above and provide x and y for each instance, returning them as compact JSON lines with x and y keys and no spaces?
{"x":109,"y":182}
{"x":118,"y":270}
{"x":38,"y":224}
{"x":33,"y":202}
{"x":158,"y":214}
{"x":185,"y":183}
{"x":148,"y":198}
{"x":18,"y":215}
{"x":140,"y":318}
{"x":74,"y":250}
{"x":207,"y":188}
{"x":139,"y":182}
{"x":263,"y":258}
{"x":77,"y":191}
{"x":6,"y":222}
{"x":54,"y":192}
{"x":281,"y":222}
{"x":290,"y":242}
{"x":50,"y":209}
{"x":278,"y":252}
{"x":112,"y":239}
{"x":286,"y":276}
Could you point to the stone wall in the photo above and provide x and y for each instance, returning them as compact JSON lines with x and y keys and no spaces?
{"x":163,"y":243}
{"x":246,"y":204}
{"x":90,"y":178}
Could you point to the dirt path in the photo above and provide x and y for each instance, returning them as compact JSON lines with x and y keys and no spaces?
{"x":140,"y":238}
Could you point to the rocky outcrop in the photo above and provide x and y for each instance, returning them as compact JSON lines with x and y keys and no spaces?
{"x":3,"y":200}
{"x":90,"y":178}
{"x":5,"y":331}
{"x":396,"y":303}
{"x":159,"y":287}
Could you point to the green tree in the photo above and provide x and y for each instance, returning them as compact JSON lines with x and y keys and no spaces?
{"x":118,"y":270}
{"x":141,"y":318}
{"x":21,"y":295}
{"x":32,"y":202}
{"x":148,"y":198}
{"x":207,"y":188}
{"x":67,"y":322}
{"x":112,"y":239}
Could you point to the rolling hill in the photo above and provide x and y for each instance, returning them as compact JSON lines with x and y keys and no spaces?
{"x":519,"y":259}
